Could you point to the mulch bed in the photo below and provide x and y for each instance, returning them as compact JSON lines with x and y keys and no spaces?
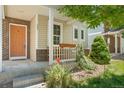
{"x":79,"y":75}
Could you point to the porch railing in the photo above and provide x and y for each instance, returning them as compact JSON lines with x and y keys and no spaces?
{"x":64,"y":53}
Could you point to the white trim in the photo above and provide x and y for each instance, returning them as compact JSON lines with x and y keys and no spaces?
{"x":121,"y":44}
{"x":75,"y":27}
{"x":14,"y":58}
{"x":108,"y":40}
{"x":3,"y":11}
{"x":37,"y":29}
{"x":111,"y":33}
{"x":25,"y":42}
{"x":50,"y":34}
{"x":66,"y":60}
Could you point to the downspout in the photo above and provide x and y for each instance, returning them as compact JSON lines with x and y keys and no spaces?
{"x":1,"y":16}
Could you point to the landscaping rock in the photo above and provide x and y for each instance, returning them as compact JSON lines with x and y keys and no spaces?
{"x":87,"y":74}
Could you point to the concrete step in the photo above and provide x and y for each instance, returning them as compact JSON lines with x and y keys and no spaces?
{"x":6,"y":78}
{"x":28,"y":80}
{"x":24,"y":70}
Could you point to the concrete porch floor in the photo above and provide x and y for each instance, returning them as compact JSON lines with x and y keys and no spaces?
{"x":17,"y":65}
{"x":13,"y":70}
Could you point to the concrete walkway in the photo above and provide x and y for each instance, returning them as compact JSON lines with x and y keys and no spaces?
{"x":118,"y":56}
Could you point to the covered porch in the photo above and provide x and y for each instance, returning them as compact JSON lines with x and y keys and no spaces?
{"x":41,"y":42}
{"x":115,"y":41}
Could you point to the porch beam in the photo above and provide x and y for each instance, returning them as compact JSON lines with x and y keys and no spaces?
{"x":1,"y":11}
{"x":116,"y":44}
{"x":50,"y":35}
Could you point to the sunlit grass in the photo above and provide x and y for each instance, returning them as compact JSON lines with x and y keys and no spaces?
{"x":117,"y":67}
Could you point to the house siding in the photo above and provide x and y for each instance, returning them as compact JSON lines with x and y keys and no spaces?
{"x":42,"y":31}
{"x":68,"y":33}
{"x":5,"y":26}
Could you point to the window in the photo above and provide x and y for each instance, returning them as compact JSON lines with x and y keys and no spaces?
{"x":82,"y":34}
{"x":75,"y":33}
{"x":56,"y":35}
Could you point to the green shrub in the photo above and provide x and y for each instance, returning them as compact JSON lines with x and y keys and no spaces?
{"x":99,"y":51}
{"x":82,"y":61}
{"x":58,"y":77}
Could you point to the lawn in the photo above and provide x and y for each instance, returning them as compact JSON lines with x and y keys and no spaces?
{"x":112,"y":78}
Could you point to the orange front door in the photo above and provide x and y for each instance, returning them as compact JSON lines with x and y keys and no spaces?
{"x":17,"y":41}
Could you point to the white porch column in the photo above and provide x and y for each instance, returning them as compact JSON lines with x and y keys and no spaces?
{"x":50,"y":35}
{"x":116,"y":44}
{"x":0,"y":38}
{"x":121,"y":43}
{"x":79,"y":36}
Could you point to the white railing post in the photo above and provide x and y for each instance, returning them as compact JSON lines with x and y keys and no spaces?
{"x":50,"y":35}
{"x":1,"y":38}
{"x":60,"y":53}
{"x":65,"y":54}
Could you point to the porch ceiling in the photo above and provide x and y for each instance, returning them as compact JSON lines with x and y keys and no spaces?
{"x":26,"y":12}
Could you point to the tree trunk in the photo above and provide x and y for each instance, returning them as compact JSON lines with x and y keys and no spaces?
{"x":106,"y":29}
{"x":106,"y":26}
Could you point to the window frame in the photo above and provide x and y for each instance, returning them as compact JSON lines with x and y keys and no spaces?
{"x":61,"y":33}
{"x":75,"y":27}
{"x":83,"y":34}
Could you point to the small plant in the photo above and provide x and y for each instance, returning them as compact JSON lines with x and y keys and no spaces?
{"x":58,"y":77}
{"x":99,"y":51}
{"x":83,"y":61}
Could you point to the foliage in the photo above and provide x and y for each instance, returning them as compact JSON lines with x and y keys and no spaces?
{"x":112,"y":78}
{"x":93,"y":15}
{"x":58,"y":77}
{"x":99,"y":51}
{"x":83,"y":61}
